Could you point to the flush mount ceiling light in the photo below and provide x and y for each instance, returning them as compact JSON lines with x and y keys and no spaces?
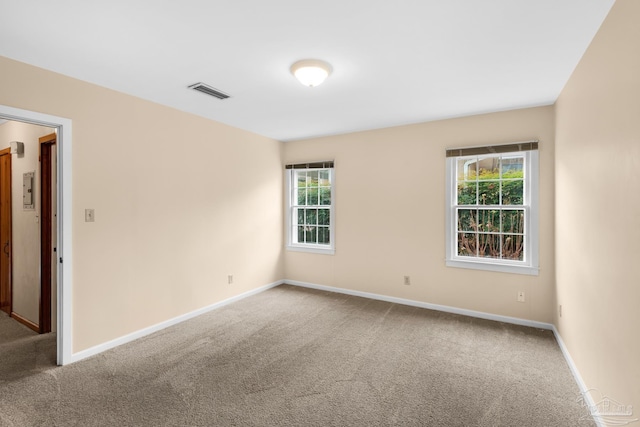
{"x":311,"y":72}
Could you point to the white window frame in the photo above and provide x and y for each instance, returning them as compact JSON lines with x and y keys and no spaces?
{"x":291,"y":196}
{"x":530,"y":264}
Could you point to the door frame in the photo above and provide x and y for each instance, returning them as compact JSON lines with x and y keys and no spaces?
{"x":46,"y":244}
{"x":63,"y":127}
{"x":5,"y":152}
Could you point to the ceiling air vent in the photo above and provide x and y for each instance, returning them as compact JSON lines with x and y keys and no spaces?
{"x":201,"y":87}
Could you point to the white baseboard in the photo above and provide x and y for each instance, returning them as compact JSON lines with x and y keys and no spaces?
{"x":479,"y":314}
{"x":576,"y":375}
{"x":437,"y":307}
{"x":162,"y":325}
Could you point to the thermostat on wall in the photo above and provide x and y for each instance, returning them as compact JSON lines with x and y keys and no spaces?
{"x":28,"y":196}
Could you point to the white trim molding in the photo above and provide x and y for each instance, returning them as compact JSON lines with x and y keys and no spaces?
{"x":584,"y":391}
{"x":167,"y":323}
{"x":429,"y":306}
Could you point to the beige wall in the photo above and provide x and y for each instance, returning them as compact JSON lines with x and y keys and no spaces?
{"x":25,"y":222}
{"x":598,"y":209}
{"x":397,"y":177}
{"x":180,"y":202}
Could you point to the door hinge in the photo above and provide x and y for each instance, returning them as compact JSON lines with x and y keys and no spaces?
{"x":60,"y":260}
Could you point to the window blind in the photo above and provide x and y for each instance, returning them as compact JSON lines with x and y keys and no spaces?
{"x":493,"y":149}
{"x":315,"y":165}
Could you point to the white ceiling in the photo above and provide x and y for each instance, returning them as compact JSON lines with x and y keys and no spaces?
{"x":394,"y":62}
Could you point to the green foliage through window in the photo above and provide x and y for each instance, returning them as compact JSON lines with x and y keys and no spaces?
{"x":311,"y":216}
{"x":491,"y":214}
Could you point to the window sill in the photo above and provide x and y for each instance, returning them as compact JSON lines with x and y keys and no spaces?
{"x":501,"y":268}
{"x":312,"y":249}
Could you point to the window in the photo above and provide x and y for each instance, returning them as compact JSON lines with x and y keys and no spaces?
{"x":492,"y":208}
{"x":310,"y":213}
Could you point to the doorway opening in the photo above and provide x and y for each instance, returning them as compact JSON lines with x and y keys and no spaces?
{"x":56,"y":148}
{"x":6,"y":295}
{"x":48,"y":240}
{"x":27,"y":189}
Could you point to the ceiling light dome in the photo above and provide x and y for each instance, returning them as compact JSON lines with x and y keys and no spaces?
{"x":311,"y":72}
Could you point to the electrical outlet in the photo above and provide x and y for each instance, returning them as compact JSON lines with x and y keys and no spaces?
{"x":520,"y":296}
{"x":230,"y":279}
{"x":560,"y":310}
{"x":407,"y":280}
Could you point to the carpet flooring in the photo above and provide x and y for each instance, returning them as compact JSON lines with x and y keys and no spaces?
{"x":298,"y":357}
